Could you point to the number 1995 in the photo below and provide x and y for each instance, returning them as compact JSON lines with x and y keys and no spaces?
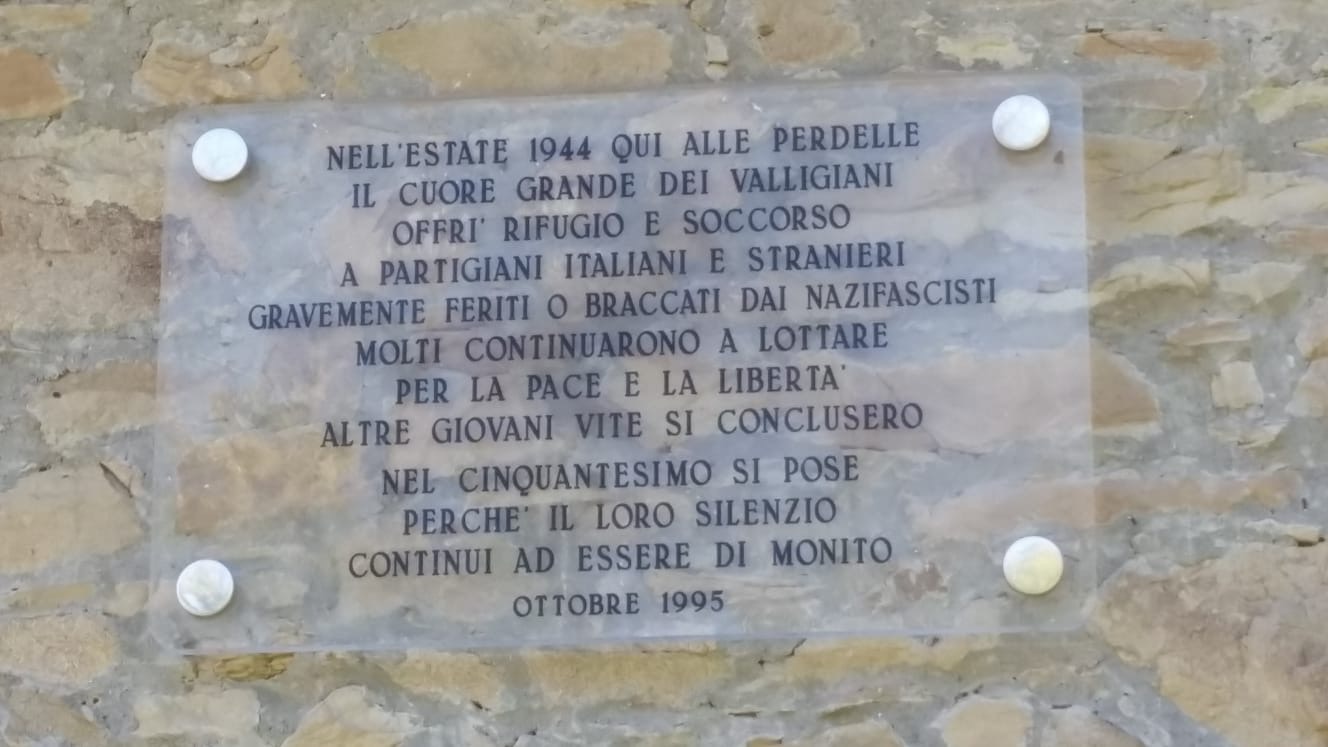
{"x":691,"y":601}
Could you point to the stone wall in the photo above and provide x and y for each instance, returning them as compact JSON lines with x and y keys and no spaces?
{"x":1208,"y":191}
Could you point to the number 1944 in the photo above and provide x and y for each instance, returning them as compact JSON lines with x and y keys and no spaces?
{"x":567,"y":148}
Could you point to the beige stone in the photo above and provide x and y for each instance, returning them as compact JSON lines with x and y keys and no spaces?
{"x":45,"y":598}
{"x":116,"y":285}
{"x":717,"y":51}
{"x":984,"y":510}
{"x":1150,"y":274}
{"x":1109,"y":46}
{"x":1311,"y":396}
{"x":1312,"y":339}
{"x":254,"y":475}
{"x":177,"y":69}
{"x":519,"y":53}
{"x":1236,"y":386}
{"x":1218,"y":331}
{"x":1126,"y":493}
{"x":457,"y":678}
{"x":1123,"y":400}
{"x":615,"y":4}
{"x":817,"y":662}
{"x":1161,"y":191}
{"x":349,"y":718}
{"x":127,"y":599}
{"x":1076,"y":726}
{"x":113,"y":397}
{"x":1300,"y":239}
{"x":1272,"y":103}
{"x":41,"y":717}
{"x":28,"y":86}
{"x":717,"y":57}
{"x":1045,"y":395}
{"x":1141,"y":187}
{"x":79,"y":170}
{"x":43,"y":17}
{"x":995,"y":46}
{"x":206,"y":712}
{"x":1305,"y":535}
{"x":987,"y":722}
{"x":804,"y":31}
{"x":1172,"y":91}
{"x":1261,"y":282}
{"x":247,"y":668}
{"x":1302,"y":534}
{"x":62,"y":515}
{"x":70,"y":650}
{"x":123,"y":476}
{"x":1236,"y":642}
{"x":640,"y":740}
{"x":871,"y":734}
{"x":673,"y":678}
{"x":1254,"y":437}
{"x":1108,"y":158}
{"x":1317,"y":146}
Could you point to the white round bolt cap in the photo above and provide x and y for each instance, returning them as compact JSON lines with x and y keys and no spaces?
{"x":1021,"y":122}
{"x":204,"y":588}
{"x":220,"y":155}
{"x":1033,"y":565}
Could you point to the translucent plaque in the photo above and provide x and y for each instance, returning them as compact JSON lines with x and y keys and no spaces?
{"x":716,"y":362}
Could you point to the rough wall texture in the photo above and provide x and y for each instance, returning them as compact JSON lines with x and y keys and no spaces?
{"x":1208,"y":146}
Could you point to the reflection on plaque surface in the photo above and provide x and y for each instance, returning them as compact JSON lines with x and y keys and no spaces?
{"x":719,"y":363}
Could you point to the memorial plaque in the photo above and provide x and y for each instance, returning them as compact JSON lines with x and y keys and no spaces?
{"x":716,"y":362}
